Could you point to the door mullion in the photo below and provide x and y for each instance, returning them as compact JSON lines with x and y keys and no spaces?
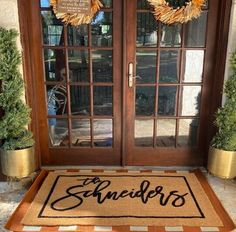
{"x":130,"y":48}
{"x":91,"y":85}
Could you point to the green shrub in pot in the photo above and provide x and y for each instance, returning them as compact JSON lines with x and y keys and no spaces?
{"x":15,"y":118}
{"x":222,"y":154}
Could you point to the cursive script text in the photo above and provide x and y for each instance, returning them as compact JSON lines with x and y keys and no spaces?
{"x":97,"y":188}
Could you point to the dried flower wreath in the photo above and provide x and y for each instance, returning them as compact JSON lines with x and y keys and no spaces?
{"x":176,"y":11}
{"x":77,"y":19}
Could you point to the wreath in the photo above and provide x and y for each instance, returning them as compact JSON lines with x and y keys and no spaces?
{"x":77,"y":18}
{"x":176,"y":11}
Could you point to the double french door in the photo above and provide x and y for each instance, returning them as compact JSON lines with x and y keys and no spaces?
{"x":124,"y":90}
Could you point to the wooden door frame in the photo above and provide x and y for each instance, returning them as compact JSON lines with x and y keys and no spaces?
{"x":29,"y":38}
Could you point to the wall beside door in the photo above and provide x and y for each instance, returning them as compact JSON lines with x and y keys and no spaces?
{"x":9,"y":14}
{"x":232,"y":40}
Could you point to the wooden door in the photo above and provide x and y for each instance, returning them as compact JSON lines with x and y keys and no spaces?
{"x":90,"y":113}
{"x":79,"y":86}
{"x":167,"y":104}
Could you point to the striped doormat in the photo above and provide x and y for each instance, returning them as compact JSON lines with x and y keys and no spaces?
{"x":104,"y":200}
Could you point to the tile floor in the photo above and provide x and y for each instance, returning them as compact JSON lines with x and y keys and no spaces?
{"x":12,"y":193}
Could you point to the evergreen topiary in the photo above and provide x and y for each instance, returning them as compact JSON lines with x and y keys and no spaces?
{"x":225,"y":139}
{"x":16,"y":115}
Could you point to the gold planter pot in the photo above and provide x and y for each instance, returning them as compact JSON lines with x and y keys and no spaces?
{"x":222,"y":163}
{"x":18,"y":163}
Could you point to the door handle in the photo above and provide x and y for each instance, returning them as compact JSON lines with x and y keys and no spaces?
{"x":131,"y":76}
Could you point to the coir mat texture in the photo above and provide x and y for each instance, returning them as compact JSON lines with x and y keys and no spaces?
{"x":118,"y":199}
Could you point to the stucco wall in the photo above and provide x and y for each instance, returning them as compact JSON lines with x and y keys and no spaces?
{"x":232,"y":33}
{"x":231,"y":42}
{"x":9,"y":19}
{"x":9,"y":14}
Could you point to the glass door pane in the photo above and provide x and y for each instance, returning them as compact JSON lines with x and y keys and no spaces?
{"x":168,"y":79}
{"x":77,"y":97}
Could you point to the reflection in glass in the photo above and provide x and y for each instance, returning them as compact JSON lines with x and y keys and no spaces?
{"x":103,"y":100}
{"x":81,"y":136}
{"x":145,"y":101}
{"x":188,"y":132}
{"x":170,"y":35}
{"x":107,"y":3}
{"x":45,"y":3}
{"x":103,"y":132}
{"x":54,"y":63}
{"x":191,"y":100}
{"x":144,"y":133}
{"x":166,"y":132}
{"x":143,"y":4}
{"x":102,"y":30}
{"x":146,"y":30}
{"x":80,"y":100}
{"x":58,"y":132}
{"x":169,"y":67}
{"x":102,"y":66}
{"x":78,"y":36}
{"x":146,"y":66}
{"x":167,"y":100}
{"x":78,"y":65}
{"x":57,"y":99}
{"x":196,"y":31}
{"x":52,"y":29}
{"x":193,"y":65}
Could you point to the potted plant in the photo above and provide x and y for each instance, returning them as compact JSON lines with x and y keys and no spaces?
{"x":17,"y":150}
{"x":222,"y":153}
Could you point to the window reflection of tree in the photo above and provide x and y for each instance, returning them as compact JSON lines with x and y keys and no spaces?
{"x":147,"y":29}
{"x":196,"y":31}
{"x":171,"y":35}
{"x":102,"y":29}
{"x":53,"y":32}
{"x":143,"y":4}
{"x":77,"y":36}
{"x":52,"y":28}
{"x":78,"y":64}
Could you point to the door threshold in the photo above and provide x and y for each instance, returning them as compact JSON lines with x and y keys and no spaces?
{"x":161,"y":168}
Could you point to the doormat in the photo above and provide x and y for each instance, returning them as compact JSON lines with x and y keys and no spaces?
{"x":102,"y":199}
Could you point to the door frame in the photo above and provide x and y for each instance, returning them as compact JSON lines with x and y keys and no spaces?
{"x":214,"y":86}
